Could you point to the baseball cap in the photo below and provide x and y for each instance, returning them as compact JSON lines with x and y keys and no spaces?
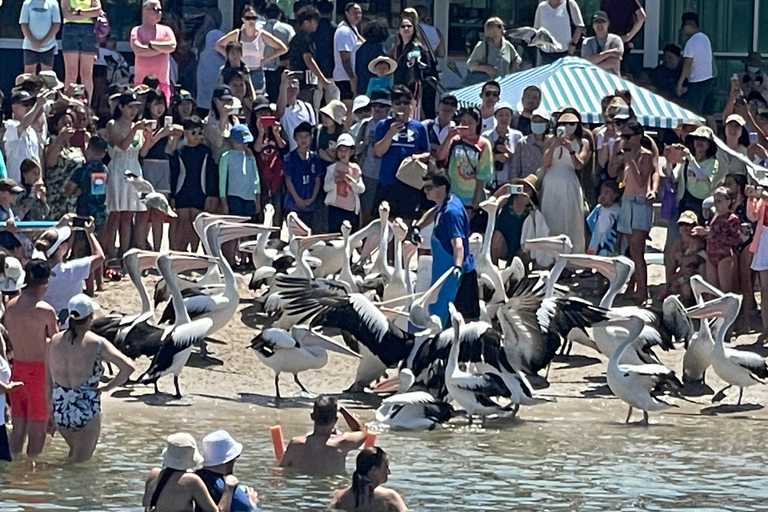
{"x":345,"y":139}
{"x":540,"y":112}
{"x":129,"y":98}
{"x":82,"y":306}
{"x":600,"y":16}
{"x":8,"y":185}
{"x":222,"y":92}
{"x":184,"y":95}
{"x":622,"y":112}
{"x":21,"y":96}
{"x":381,"y":97}
{"x":735,"y":118}
{"x":260,"y":103}
{"x":361,"y":101}
{"x":503,"y":105}
{"x":241,"y":134}
{"x":688,"y":217}
{"x":448,"y":97}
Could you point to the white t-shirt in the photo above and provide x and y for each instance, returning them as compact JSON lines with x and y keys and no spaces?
{"x":489,"y":123}
{"x":513,"y":139}
{"x":557,"y":22}
{"x":344,"y":40}
{"x":294,"y":116}
{"x":18,"y":147}
{"x":67,"y":279}
{"x":40,"y":15}
{"x":5,"y":378}
{"x":699,"y":48}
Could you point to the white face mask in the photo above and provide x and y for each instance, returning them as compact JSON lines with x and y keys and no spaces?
{"x":538,"y":128}
{"x":753,"y":69}
{"x":570,"y":129}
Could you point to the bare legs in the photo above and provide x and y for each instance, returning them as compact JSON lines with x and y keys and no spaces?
{"x":498,"y":247}
{"x":35,"y":431}
{"x":184,"y":231}
{"x":157,"y":219}
{"x":722,"y":276}
{"x":764,"y":301}
{"x":82,"y":443}
{"x":86,"y":74}
{"x":79,"y":64}
{"x":637,"y":254}
{"x":746,"y":287}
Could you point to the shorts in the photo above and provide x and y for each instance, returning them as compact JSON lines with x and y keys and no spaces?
{"x":78,"y":37}
{"x":258,"y":81}
{"x":760,"y":258}
{"x":240,"y":206}
{"x":28,"y":401}
{"x":636,"y":214}
{"x":158,"y":173}
{"x":345,"y":88}
{"x":698,"y":97}
{"x":33,"y":58}
{"x":5,"y":449}
{"x":404,"y":201}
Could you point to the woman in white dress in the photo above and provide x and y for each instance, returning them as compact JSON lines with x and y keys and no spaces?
{"x":126,"y":137}
{"x":562,"y":199}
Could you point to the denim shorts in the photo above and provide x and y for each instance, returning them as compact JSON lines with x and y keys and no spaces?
{"x":636,"y":214}
{"x":78,"y":37}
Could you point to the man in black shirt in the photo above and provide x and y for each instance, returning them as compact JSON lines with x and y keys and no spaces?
{"x":666,"y":75}
{"x":301,"y":54}
{"x":323,"y":37}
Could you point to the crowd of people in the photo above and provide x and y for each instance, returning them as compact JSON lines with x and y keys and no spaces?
{"x":328,"y":121}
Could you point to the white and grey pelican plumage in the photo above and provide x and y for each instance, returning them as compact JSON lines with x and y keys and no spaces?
{"x":487,"y":273}
{"x":739,"y":368}
{"x":331,"y":253}
{"x":638,"y":384}
{"x":294,"y":352}
{"x":656,"y":331}
{"x":698,"y":354}
{"x":178,"y":339}
{"x":396,"y":285}
{"x":475,"y":391}
{"x":411,"y":409}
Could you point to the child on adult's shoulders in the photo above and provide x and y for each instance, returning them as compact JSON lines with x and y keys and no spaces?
{"x":383,"y":68}
{"x":687,"y":258}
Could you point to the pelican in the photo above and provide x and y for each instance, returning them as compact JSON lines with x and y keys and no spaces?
{"x":487,"y":272}
{"x":178,"y":339}
{"x":412,"y":410}
{"x":638,"y":384}
{"x":474,"y":391}
{"x":331,"y":253}
{"x":298,"y":351}
{"x":736,"y":367}
{"x":396,"y":286}
{"x":698,"y":355}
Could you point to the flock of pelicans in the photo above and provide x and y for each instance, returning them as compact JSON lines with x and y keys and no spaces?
{"x":316,"y":289}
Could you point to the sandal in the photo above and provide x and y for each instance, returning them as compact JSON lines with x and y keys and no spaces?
{"x":112,"y":274}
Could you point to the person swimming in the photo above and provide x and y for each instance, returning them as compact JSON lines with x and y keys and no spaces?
{"x":367,"y":494}
{"x":324,"y":450}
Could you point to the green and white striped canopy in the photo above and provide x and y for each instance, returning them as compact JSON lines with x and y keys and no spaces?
{"x":575,"y":82}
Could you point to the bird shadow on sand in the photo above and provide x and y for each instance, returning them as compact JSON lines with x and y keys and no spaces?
{"x":730,"y":409}
{"x":756,"y":347}
{"x":575,"y":361}
{"x":154,"y":399}
{"x":351,"y":400}
{"x":253,"y":317}
{"x":199,"y":361}
{"x":599,"y":391}
{"x":697,"y":389}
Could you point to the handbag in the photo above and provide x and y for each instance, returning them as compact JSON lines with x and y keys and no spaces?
{"x":573,"y":28}
{"x":100,"y":26}
{"x":412,"y":172}
{"x":668,"y":199}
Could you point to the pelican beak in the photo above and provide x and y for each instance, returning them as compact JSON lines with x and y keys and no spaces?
{"x":602,"y":264}
{"x":211,"y":218}
{"x":305,"y":242}
{"x":699,"y":286}
{"x":552,"y":245}
{"x":709,"y":309}
{"x":231,"y":231}
{"x":400,"y":229}
{"x":431,"y":294}
{"x":296,"y":226}
{"x":248,"y":246}
{"x":384,"y":210}
{"x":146,"y":260}
{"x":183,"y":261}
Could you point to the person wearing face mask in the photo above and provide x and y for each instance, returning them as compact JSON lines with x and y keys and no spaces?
{"x":562,"y":200}
{"x":531,"y":101}
{"x":529,"y":151}
{"x":752,"y":77}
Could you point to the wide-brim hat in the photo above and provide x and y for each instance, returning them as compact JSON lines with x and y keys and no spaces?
{"x":336,"y":110}
{"x":181,"y":453}
{"x":13,"y":276}
{"x":532,"y":181}
{"x":62,"y":235}
{"x":390,"y":62}
{"x":219,"y":447}
{"x":568,"y":118}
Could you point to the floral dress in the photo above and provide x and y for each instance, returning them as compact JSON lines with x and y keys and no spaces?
{"x":56,"y":177}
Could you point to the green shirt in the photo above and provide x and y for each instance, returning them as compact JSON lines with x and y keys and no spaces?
{"x":467,"y":163}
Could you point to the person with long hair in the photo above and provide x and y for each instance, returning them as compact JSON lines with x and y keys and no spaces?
{"x":736,"y":185}
{"x":562,"y":199}
{"x":367,"y":491}
{"x":415,"y":62}
{"x":126,"y":135}
{"x":155,"y":160}
{"x":736,"y":137}
{"x":254,"y":41}
{"x":346,"y":41}
{"x":78,"y":44}
{"x":74,"y":387}
{"x":61,"y":156}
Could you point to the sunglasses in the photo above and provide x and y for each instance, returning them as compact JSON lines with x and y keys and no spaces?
{"x":156,"y":9}
{"x":250,"y":18}
{"x":196,"y":132}
{"x":450,"y":103}
{"x":627,"y":136}
{"x":405,"y":26}
{"x":619,"y":122}
{"x":401,"y":103}
{"x":491,"y":94}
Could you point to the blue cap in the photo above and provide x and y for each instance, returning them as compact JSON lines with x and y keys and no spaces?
{"x":241,"y":134}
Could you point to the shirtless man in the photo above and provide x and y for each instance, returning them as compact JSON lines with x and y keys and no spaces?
{"x":30,"y":323}
{"x":324,"y":451}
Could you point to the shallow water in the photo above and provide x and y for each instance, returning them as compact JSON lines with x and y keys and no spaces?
{"x":703,"y":464}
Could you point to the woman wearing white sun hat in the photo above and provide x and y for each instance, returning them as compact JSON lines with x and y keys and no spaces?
{"x":220,"y":452}
{"x":175,"y":486}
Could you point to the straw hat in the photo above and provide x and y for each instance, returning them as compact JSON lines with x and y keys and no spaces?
{"x":336,"y":110}
{"x":532,"y":181}
{"x":568,"y":118}
{"x":181,"y":453}
{"x":219,"y":447}
{"x":391,"y":63}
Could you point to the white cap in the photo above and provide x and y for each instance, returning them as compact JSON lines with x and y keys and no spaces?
{"x":63,"y":234}
{"x":622,"y":113}
{"x":81,"y":306}
{"x":503,"y":105}
{"x":345,"y":139}
{"x":13,"y":276}
{"x":540,"y":112}
{"x":361,"y":101}
{"x":219,"y":447}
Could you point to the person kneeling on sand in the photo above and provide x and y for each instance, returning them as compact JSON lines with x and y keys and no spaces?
{"x":74,"y":386}
{"x":220,"y":452}
{"x":175,"y":486}
{"x":324,"y":451}
{"x":367,"y":494}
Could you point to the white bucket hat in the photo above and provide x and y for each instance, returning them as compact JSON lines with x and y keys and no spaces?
{"x":219,"y":447}
{"x":12,"y":279}
{"x":181,"y":453}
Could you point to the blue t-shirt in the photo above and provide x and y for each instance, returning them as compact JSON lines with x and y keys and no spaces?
{"x":452,"y":222}
{"x":302,"y":174}
{"x":214,"y":482}
{"x":412,"y":139}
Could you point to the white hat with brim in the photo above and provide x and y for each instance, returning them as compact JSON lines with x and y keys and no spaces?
{"x":736,"y":118}
{"x":336,"y":110}
{"x":219,"y":447}
{"x":540,"y":112}
{"x":361,"y":101}
{"x":82,"y":306}
{"x":390,"y":62}
{"x":345,"y":139}
{"x":181,"y":453}
{"x":12,"y":279}
{"x":63,"y":234}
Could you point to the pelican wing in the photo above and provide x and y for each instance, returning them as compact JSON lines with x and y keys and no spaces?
{"x":189,"y":334}
{"x":487,"y":384}
{"x":653,"y":377}
{"x":749,"y":361}
{"x":305,"y":336}
{"x":410,"y":398}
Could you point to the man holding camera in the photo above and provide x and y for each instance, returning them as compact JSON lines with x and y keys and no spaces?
{"x":503,"y":139}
